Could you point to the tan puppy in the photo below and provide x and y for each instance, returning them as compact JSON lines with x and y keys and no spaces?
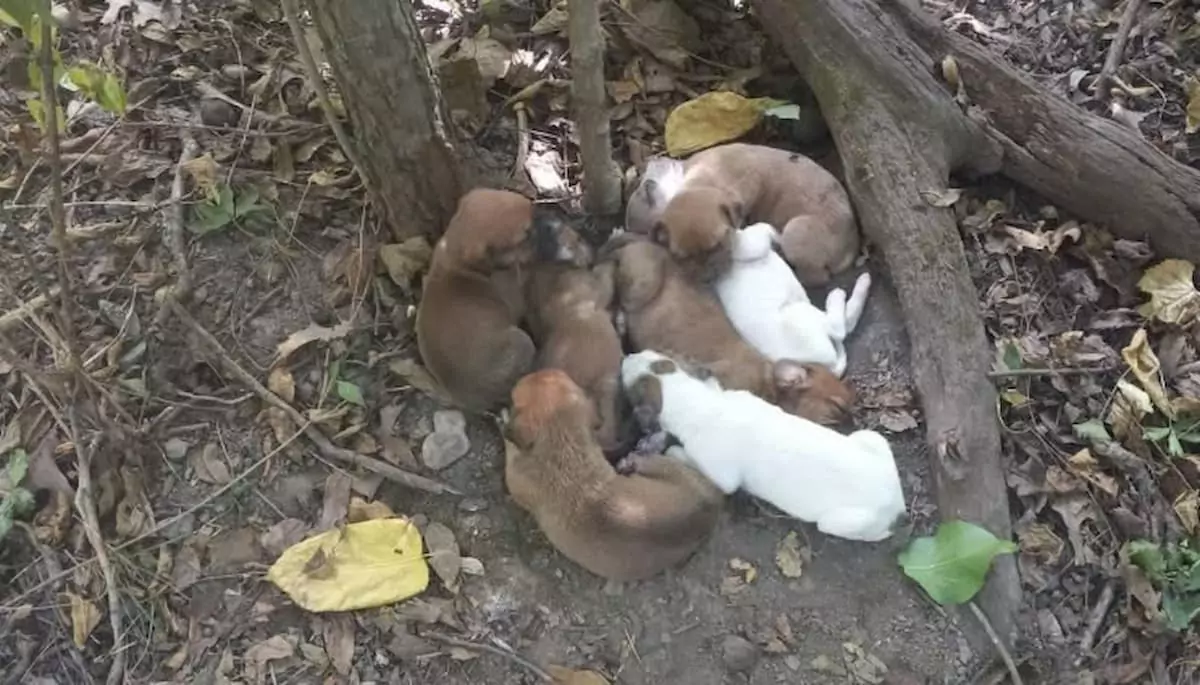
{"x":571,"y":322}
{"x":616,"y":526}
{"x":666,"y":312}
{"x":729,"y":186}
{"x":473,"y":296}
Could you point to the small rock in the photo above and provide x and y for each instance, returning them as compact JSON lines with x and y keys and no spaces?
{"x":738,"y":654}
{"x":448,"y":442}
{"x":215,"y":112}
{"x":176,"y":448}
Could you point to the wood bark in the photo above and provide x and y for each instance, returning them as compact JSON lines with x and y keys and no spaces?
{"x":401,"y":128}
{"x":601,"y":175}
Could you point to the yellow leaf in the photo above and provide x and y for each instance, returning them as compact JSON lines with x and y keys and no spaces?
{"x":1173,"y":297}
{"x":1084,"y":465}
{"x":362,"y":510}
{"x":363,"y":565}
{"x":203,"y":170}
{"x":712,"y":118}
{"x":84,"y":618}
{"x":1187,"y":508}
{"x":1193,"y":105}
{"x":567,"y":676}
{"x":1129,"y":405}
{"x":1145,"y":367}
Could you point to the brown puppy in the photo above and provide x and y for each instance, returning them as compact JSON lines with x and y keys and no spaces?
{"x":666,"y":312}
{"x":473,"y":296}
{"x":570,"y":319}
{"x":729,"y":186}
{"x":619,"y":527}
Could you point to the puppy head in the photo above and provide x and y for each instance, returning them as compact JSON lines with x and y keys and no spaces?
{"x":698,"y":227}
{"x":544,"y":401}
{"x":812,"y":391}
{"x":555,"y":241}
{"x":641,"y":270}
{"x":644,"y":363}
{"x":490,"y":230}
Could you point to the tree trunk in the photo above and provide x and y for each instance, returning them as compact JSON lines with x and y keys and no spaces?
{"x":401,"y":128}
{"x":601,"y":176}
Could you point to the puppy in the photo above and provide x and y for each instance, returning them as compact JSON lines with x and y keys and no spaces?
{"x":619,"y":527}
{"x":728,"y":186}
{"x":570,"y":320}
{"x":665,"y":311}
{"x":660,"y":182}
{"x":473,"y":295}
{"x":846,"y":484}
{"x":771,"y":310}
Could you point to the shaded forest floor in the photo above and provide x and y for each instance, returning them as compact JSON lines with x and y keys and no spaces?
{"x":196,"y":496}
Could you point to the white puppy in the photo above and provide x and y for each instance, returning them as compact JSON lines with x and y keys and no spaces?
{"x":847,"y":484}
{"x":771,"y":310}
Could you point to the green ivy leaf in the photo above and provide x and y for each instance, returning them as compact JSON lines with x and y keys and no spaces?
{"x":6,"y":517}
{"x":951,"y":566}
{"x":350,"y":392}
{"x":16,"y":468}
{"x":1180,"y":609}
{"x":1092,"y":430}
{"x":1012,"y":357}
{"x":1147,"y":556}
{"x":23,"y":501}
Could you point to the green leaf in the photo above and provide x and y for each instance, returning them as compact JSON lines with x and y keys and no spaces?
{"x":1012,"y":357}
{"x":225,"y":201}
{"x":19,"y":14}
{"x":1156,"y":433}
{"x":1092,"y":430}
{"x":23,"y":501}
{"x":1147,"y":556}
{"x":34,"y":104}
{"x":6,"y":517}
{"x":350,"y":393}
{"x":951,"y":566}
{"x":784,"y":112}
{"x":17,"y":466}
{"x":1180,"y":609}
{"x":1174,"y":447}
{"x":112,"y":94}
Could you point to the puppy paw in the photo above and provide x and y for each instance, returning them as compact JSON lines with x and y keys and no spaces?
{"x":627,"y":465}
{"x":654,"y":443}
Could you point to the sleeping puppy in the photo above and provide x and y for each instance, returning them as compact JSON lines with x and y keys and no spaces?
{"x":473,"y":295}
{"x":665,"y":311}
{"x":619,"y":527}
{"x":570,"y":320}
{"x":728,"y":186}
{"x":846,"y":484}
{"x":771,"y":309}
{"x":660,"y":182}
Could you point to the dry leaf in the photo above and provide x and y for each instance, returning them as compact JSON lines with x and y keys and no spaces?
{"x":1187,"y":508}
{"x":338,"y":633}
{"x":1193,"y":105}
{"x":789,"y":557}
{"x":283,"y":535}
{"x":203,"y":170}
{"x":444,"y":555}
{"x":1041,"y":542}
{"x":281,"y":382}
{"x":1129,"y":405}
{"x":336,"y":503}
{"x":1145,"y":367}
{"x":257,"y":656}
{"x":186,"y":570}
{"x":1173,"y":296}
{"x":1047,"y":241}
{"x":1084,"y":465}
{"x":405,"y":260}
{"x":367,"y":564}
{"x":567,"y":676}
{"x":554,"y":21}
{"x":85,"y":616}
{"x":713,"y":118}
{"x":416,"y":376}
{"x":1075,"y":511}
{"x":362,"y":510}
{"x":490,"y":54}
{"x":209,"y":466}
{"x":313,"y":333}
{"x":942,"y":198}
{"x":662,"y":28}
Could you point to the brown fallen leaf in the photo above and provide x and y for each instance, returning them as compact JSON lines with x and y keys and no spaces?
{"x":283,"y":535}
{"x":336,"y":503}
{"x":281,"y":382}
{"x":1193,"y":105}
{"x":310,"y":334}
{"x":203,"y":170}
{"x":416,"y":376}
{"x":663,"y":29}
{"x":85,"y":616}
{"x":789,"y":556}
{"x":338,"y":633}
{"x":255,"y":659}
{"x":942,"y":198}
{"x":1145,"y":367}
{"x":209,"y":465}
{"x":1187,"y":508}
{"x":403,"y":261}
{"x":1076,"y":510}
{"x":1173,"y":295}
{"x":186,"y":569}
{"x":567,"y":676}
{"x":361,"y":510}
{"x":1130,"y":403}
{"x":444,"y":555}
{"x":1084,"y":465}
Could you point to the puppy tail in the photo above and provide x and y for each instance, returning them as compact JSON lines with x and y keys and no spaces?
{"x":857,"y":302}
{"x":835,"y":314}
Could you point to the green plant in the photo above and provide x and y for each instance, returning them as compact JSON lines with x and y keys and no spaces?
{"x":952,"y":565}
{"x":14,"y":499}
{"x":1175,"y":434}
{"x":1174,"y":570}
{"x":226,"y":207}
{"x":345,"y":390}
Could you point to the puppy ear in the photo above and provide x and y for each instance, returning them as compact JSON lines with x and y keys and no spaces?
{"x":645,"y":396}
{"x":659,"y":233}
{"x":791,"y":376}
{"x":735,"y":213}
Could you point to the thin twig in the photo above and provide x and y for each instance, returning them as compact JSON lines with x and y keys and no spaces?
{"x":506,"y":653}
{"x":176,"y":241}
{"x":1065,"y":371}
{"x":12,"y":318}
{"x":291,"y":11}
{"x":85,"y":503}
{"x":1096,"y":617}
{"x":322,"y":443}
{"x":1011,"y":665}
{"x":522,"y":112}
{"x":1116,"y":51}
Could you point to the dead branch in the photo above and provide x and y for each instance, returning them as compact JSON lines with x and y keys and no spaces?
{"x":498,"y":651}
{"x":1096,"y":617}
{"x":323,"y":445}
{"x":176,"y":240}
{"x":601,"y":175}
{"x":1116,"y":51}
{"x":11,"y":318}
{"x":1011,"y":665}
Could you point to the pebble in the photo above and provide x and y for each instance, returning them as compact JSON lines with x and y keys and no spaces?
{"x":738,"y":654}
{"x":448,"y":442}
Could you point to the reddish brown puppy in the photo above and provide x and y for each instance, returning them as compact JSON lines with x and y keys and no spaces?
{"x":571,"y":322}
{"x":729,"y":186}
{"x":666,"y":312}
{"x":473,"y":297}
{"x":622,"y":527}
